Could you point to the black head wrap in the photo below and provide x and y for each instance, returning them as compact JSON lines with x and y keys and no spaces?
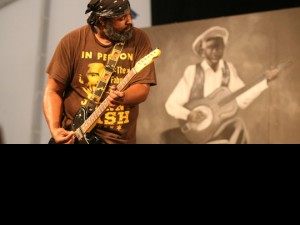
{"x":108,"y":8}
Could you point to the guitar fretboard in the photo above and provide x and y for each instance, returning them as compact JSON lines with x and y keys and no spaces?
{"x":234,"y":95}
{"x":126,"y":80}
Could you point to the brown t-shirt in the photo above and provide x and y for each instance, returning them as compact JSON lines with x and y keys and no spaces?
{"x":78,"y":62}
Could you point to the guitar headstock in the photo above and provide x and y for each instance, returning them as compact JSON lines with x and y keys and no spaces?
{"x":148,"y":59}
{"x":285,"y":65}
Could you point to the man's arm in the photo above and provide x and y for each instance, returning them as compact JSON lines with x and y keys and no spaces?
{"x":53,"y":111}
{"x":244,"y":100}
{"x":134,"y":95}
{"x":175,"y":104}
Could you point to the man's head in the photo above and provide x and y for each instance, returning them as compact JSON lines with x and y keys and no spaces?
{"x":216,"y":32}
{"x":113,"y":17}
{"x":211,"y":45}
{"x":108,"y":8}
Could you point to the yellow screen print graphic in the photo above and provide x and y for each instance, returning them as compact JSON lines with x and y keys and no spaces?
{"x":93,"y":76}
{"x":114,"y":118}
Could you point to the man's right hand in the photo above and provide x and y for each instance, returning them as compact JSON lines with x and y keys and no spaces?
{"x":196,"y":117}
{"x":62,"y":136}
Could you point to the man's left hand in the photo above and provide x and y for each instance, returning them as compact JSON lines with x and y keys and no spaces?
{"x":115,"y":97}
{"x":271,"y":74}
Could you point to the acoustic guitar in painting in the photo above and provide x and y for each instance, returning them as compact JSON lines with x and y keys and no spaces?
{"x":83,"y":125}
{"x":217,"y":108}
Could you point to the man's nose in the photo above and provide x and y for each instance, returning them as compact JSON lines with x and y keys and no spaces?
{"x":129,"y":19}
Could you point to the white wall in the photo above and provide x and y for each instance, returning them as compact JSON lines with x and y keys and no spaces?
{"x":143,"y":9}
{"x":65,"y":15}
{"x":21,"y":24}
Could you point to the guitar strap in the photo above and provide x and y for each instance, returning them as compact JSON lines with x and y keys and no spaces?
{"x":197,"y":91}
{"x":226,"y":75}
{"x":105,"y":77}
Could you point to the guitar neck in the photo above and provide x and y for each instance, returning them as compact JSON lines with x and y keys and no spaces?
{"x":272,"y":72}
{"x":126,"y":80}
{"x":237,"y":93}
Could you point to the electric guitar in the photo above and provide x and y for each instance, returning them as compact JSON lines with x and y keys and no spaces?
{"x":83,"y":125}
{"x":217,"y":108}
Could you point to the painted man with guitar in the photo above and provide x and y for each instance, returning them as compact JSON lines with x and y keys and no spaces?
{"x":208,"y":96}
{"x":95,"y":78}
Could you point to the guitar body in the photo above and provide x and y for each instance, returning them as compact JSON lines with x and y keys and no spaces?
{"x":78,"y":120}
{"x":215,"y":114}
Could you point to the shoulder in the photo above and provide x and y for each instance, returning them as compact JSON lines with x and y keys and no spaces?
{"x":192,"y":66}
{"x":78,"y":32}
{"x":190,"y":70}
{"x":140,"y":34}
{"x":227,"y":63}
{"x":232,"y":70}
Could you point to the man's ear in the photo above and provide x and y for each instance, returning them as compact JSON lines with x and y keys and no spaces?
{"x":201,"y":48}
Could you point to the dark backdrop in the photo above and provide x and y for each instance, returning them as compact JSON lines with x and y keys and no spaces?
{"x":170,"y":11}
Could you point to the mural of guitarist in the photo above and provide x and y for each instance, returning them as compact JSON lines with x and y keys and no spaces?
{"x":202,"y":100}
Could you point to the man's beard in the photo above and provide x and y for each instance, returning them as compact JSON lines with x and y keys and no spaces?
{"x":117,"y":36}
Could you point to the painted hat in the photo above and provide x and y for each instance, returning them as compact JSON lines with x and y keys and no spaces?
{"x":212,"y":32}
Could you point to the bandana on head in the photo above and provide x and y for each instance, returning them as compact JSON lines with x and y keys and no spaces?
{"x":108,"y":8}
